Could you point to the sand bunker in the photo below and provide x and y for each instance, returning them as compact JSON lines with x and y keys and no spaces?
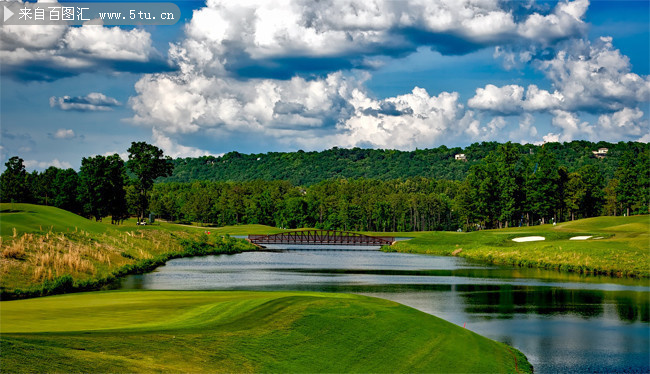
{"x":585,"y":237}
{"x":529,"y":239}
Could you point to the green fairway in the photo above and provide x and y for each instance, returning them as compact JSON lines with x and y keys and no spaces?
{"x":199,"y":331}
{"x":30,"y":218}
{"x":618,"y":246}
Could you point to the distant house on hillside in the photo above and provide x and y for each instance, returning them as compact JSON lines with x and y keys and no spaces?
{"x":600,"y":153}
{"x":461,"y":156}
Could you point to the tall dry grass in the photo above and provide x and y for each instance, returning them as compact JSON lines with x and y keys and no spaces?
{"x":53,"y":255}
{"x":35,"y":257}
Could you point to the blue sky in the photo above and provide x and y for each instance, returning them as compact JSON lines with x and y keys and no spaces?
{"x":252,"y":76}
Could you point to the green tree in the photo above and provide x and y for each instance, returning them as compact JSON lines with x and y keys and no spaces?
{"x":101,"y":185}
{"x":147,"y":162}
{"x":611,"y":206}
{"x":574,"y":194}
{"x":483,"y":180}
{"x":643,"y":181}
{"x":594,"y":196}
{"x":542,"y":185}
{"x":463,"y":206}
{"x":116,"y":175}
{"x":66,"y":186}
{"x":293,"y":214}
{"x":13,"y":181}
{"x":562,"y":184}
{"x":626,"y":191}
{"x":510,"y":180}
{"x":48,"y":189}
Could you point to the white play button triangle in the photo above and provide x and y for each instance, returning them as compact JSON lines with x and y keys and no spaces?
{"x":8,"y":14}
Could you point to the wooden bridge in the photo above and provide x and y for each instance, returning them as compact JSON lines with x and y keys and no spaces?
{"x":321,"y":237}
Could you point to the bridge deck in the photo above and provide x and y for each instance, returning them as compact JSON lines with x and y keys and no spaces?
{"x":321,"y":237}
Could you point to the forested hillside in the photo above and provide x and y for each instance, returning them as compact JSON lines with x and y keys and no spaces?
{"x":507,"y":187}
{"x":307,"y":168}
{"x":500,"y":185}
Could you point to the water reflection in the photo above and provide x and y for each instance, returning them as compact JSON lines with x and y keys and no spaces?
{"x":562,"y":322}
{"x":506,"y":301}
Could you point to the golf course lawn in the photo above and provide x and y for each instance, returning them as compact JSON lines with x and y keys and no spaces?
{"x":238,"y":331}
{"x":618,"y":246}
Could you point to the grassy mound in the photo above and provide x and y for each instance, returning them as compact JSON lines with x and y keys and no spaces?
{"x":618,"y":246}
{"x":184,"y":331}
{"x":30,"y":218}
{"x":45,"y":250}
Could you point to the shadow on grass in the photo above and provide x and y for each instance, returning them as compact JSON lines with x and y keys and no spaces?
{"x":16,"y":211}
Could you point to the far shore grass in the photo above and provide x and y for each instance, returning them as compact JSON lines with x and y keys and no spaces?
{"x":239,"y":331}
{"x":619,"y":246}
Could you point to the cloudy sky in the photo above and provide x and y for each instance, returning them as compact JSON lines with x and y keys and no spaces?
{"x":259,"y":76}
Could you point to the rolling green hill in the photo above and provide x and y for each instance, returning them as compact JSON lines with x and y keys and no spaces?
{"x":307,"y":168}
{"x":31,"y":218}
{"x":232,"y":331}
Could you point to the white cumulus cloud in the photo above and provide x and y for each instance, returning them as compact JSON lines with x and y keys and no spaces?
{"x":241,"y":68}
{"x":506,"y":99}
{"x":50,"y":52}
{"x":572,"y":127}
{"x":227,"y":36}
{"x":626,"y":122}
{"x":190,"y":102}
{"x":564,"y":21}
{"x":110,"y":43}
{"x":510,"y":99}
{"x":404,"y":122}
{"x":64,"y":134}
{"x":175,"y":150}
{"x":595,"y":77}
{"x":34,"y":164}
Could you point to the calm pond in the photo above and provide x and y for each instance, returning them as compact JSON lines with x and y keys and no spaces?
{"x":561,"y":322}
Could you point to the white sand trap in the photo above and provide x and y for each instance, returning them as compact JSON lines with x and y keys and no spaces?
{"x":600,"y":237}
{"x":584,"y":237}
{"x":529,"y":239}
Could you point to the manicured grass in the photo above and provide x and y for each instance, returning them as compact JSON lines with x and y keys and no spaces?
{"x":624,"y":249}
{"x":197,"y":331}
{"x":29,"y":218}
{"x":41,"y":219}
{"x":45,"y":250}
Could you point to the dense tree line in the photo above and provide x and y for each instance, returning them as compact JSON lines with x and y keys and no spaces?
{"x":511,"y":185}
{"x":100,"y":189}
{"x":307,"y":168}
{"x":506,"y":188}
